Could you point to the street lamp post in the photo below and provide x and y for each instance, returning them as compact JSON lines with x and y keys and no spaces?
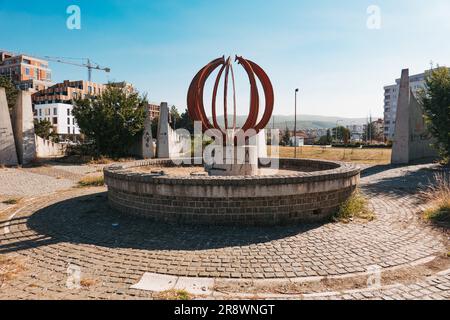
{"x":295,"y":125}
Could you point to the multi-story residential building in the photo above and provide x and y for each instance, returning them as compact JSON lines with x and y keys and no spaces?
{"x":154,"y":110}
{"x":61,"y":117}
{"x":417,"y":82}
{"x":26,"y":72}
{"x":55,"y":104}
{"x":66,"y":91}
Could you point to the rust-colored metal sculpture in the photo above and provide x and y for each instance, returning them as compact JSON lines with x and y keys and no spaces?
{"x":196,"y":107}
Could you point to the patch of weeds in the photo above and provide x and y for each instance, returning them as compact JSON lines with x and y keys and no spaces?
{"x":87,"y":283}
{"x":91,"y":181}
{"x":174,"y":295}
{"x":437,"y":195}
{"x":9,"y":269}
{"x":356,"y":206}
{"x":12,"y":201}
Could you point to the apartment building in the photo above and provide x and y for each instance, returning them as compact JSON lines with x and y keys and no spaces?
{"x":154,"y":110}
{"x":55,"y":104}
{"x":417,"y":82}
{"x":26,"y":72}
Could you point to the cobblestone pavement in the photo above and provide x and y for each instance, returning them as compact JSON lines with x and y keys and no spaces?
{"x":76,"y":227}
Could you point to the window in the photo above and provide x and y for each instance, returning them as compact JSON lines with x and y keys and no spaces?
{"x":68,"y":130}
{"x":55,"y":111}
{"x":68,"y":120}
{"x":55,"y":120}
{"x":40,"y":112}
{"x":73,"y":121}
{"x":27,"y":71}
{"x":68,"y":112}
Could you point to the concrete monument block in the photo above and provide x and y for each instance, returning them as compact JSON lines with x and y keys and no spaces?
{"x":262,"y":144}
{"x":147,"y":151}
{"x":411,"y":139}
{"x":23,"y":128}
{"x":8,"y":153}
{"x":163,"y":147}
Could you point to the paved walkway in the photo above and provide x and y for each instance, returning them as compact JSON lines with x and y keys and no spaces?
{"x":75,"y":229}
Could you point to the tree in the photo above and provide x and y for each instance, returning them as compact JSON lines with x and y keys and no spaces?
{"x":112,"y":120}
{"x":11,"y":91}
{"x":343,"y":134}
{"x":44,"y":129}
{"x":325,"y":140}
{"x":435,"y":101}
{"x":155,"y":121}
{"x":186,"y":122}
{"x":286,"y":138}
{"x":174,"y":117}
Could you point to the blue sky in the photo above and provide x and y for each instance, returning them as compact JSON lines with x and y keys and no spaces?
{"x":323,"y":47}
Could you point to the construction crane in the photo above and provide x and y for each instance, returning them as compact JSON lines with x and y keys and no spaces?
{"x":90,"y":65}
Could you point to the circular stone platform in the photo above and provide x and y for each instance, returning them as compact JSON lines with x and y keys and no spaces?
{"x":303,"y":191}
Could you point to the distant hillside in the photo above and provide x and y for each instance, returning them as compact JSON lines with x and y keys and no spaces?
{"x":303,"y":121}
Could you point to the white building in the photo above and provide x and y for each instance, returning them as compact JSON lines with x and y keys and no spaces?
{"x":417,"y":82}
{"x":60,"y":116}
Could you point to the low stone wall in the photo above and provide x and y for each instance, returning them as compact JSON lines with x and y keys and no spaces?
{"x":302,"y":197}
{"x":46,"y":148}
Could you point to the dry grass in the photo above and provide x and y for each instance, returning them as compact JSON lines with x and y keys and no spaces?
{"x":437,"y":196}
{"x":369,"y":156}
{"x":91,"y":181}
{"x":12,"y":201}
{"x":9,"y":269}
{"x":87,"y":283}
{"x":174,"y":295}
{"x":356,"y":207}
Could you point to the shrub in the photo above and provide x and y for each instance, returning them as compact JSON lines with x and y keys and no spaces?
{"x":437,"y":196}
{"x":356,"y":206}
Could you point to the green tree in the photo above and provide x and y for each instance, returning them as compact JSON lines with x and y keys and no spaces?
{"x":324,"y":140}
{"x":112,"y":120}
{"x":155,"y":121}
{"x":286,"y":138}
{"x":44,"y":129}
{"x":11,"y":91}
{"x":435,"y":101}
{"x":185,"y":122}
{"x":174,"y":117}
{"x":343,"y":134}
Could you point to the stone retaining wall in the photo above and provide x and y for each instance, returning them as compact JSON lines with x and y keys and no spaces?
{"x":258,"y":200}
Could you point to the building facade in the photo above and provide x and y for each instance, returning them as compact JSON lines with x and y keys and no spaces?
{"x":417,"y":82}
{"x":26,"y":72}
{"x":67,"y":91}
{"x":55,"y":104}
{"x":154,"y":110}
{"x":61,"y":117}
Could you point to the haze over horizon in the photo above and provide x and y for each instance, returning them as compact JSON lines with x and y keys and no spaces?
{"x":324,"y":48}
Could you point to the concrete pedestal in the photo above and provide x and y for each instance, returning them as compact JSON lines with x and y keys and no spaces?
{"x":238,"y":161}
{"x":163,"y":145}
{"x":23,"y":128}
{"x":147,"y":140}
{"x":8,"y":153}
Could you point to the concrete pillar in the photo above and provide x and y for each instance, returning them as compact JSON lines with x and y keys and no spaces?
{"x":262,"y":144}
{"x":8,"y":153}
{"x":163,"y":132}
{"x":400,"y":147}
{"x":23,"y":127}
{"x":147,"y":140}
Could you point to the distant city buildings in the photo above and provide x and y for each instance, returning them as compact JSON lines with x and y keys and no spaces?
{"x":26,"y":72}
{"x":417,"y":82}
